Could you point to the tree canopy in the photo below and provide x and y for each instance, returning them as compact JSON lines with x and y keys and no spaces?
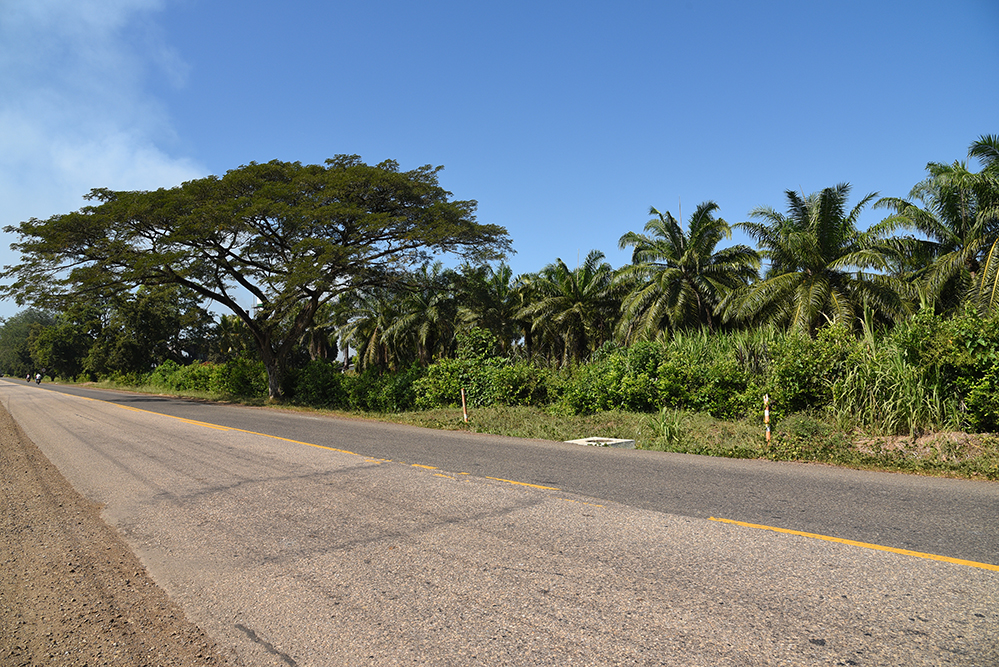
{"x":680,"y":278}
{"x":817,"y":265}
{"x":294,"y":237}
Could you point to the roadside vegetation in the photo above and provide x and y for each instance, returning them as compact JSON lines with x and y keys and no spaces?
{"x":875,"y":348}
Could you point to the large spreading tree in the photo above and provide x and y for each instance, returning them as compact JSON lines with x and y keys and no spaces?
{"x":293,"y":237}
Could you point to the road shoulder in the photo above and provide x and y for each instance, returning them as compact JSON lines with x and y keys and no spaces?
{"x":71,"y":591}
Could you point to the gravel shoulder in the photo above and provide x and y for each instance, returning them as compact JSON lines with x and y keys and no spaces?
{"x":71,"y":591}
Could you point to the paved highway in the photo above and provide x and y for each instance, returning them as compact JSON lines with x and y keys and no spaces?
{"x":309,"y":540}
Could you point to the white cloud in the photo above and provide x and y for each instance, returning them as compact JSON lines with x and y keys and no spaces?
{"x":75,"y":108}
{"x":75,"y":113}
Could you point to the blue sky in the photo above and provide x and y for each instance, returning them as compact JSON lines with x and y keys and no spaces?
{"x":566,"y":121}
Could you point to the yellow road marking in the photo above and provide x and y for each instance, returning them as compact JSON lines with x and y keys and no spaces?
{"x":205,"y":424}
{"x":580,"y":502}
{"x":533,"y":486}
{"x":299,"y":442}
{"x":865,"y":545}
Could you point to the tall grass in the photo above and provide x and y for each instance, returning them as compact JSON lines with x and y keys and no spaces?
{"x":884,"y":394}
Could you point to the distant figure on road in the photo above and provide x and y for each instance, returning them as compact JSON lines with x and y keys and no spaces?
{"x":38,"y":378}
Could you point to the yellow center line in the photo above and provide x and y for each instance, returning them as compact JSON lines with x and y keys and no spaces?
{"x":205,"y":424}
{"x":580,"y":502}
{"x":865,"y":545}
{"x":297,"y":442}
{"x":533,"y":486}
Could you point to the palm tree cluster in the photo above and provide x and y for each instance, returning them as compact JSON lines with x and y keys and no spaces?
{"x":812,"y":266}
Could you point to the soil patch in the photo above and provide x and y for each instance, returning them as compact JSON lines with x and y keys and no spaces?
{"x":71,"y":591}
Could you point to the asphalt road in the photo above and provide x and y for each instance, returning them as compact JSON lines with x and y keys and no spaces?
{"x":383,"y":544}
{"x":948,"y":517}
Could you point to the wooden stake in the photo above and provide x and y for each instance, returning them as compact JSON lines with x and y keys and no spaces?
{"x":464,"y":408}
{"x":766,"y":414}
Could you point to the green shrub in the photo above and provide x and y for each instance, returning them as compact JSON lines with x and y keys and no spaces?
{"x":695,"y":372}
{"x":193,"y":377}
{"x":803,"y":370}
{"x":982,"y":400}
{"x":126,"y":378}
{"x":241,"y":377}
{"x":395,"y":392}
{"x":382,"y":392}
{"x":521,"y":383}
{"x":321,"y":384}
{"x":160,"y":377}
{"x":442,"y":384}
{"x":486,"y":381}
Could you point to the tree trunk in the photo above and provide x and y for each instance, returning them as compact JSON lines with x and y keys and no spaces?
{"x":274,"y":380}
{"x":273,"y":366}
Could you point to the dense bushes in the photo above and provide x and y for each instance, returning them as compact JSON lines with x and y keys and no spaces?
{"x":699,"y":373}
{"x":239,"y":377}
{"x":487,"y":379}
{"x":929,"y":373}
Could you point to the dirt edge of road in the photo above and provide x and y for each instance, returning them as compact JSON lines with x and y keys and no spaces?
{"x":71,"y":590}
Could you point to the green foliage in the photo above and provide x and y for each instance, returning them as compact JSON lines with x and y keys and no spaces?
{"x":125,"y":379}
{"x":444,"y":381}
{"x":953,"y":361}
{"x":694,"y":372}
{"x":245,"y":378}
{"x":383,"y":392}
{"x":490,"y":299}
{"x":16,"y":336}
{"x":521,"y":383}
{"x":982,"y":400}
{"x":477,"y":344}
{"x":676,"y":279}
{"x":803,"y":370}
{"x":296,"y":236}
{"x":192,"y":377}
{"x":242,"y":378}
{"x":572,"y":311}
{"x":322,"y":384}
{"x":822,"y":267}
{"x":60,"y":348}
{"x":486,"y":378}
{"x":957,"y":259}
{"x":162,"y":374}
{"x":669,"y":429}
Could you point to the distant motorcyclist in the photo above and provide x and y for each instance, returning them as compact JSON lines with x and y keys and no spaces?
{"x":38,"y":378}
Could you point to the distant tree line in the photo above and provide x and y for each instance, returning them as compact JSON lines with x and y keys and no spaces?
{"x":341,"y":260}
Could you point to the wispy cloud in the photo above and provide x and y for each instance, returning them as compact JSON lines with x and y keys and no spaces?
{"x":75,"y":107}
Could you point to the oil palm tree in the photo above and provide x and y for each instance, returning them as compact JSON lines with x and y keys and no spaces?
{"x":676,"y":278}
{"x":986,"y":149}
{"x":574,"y":309}
{"x":425,"y":323}
{"x":490,"y":300}
{"x":821,"y":267}
{"x":956,"y":211}
{"x":371,"y":313}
